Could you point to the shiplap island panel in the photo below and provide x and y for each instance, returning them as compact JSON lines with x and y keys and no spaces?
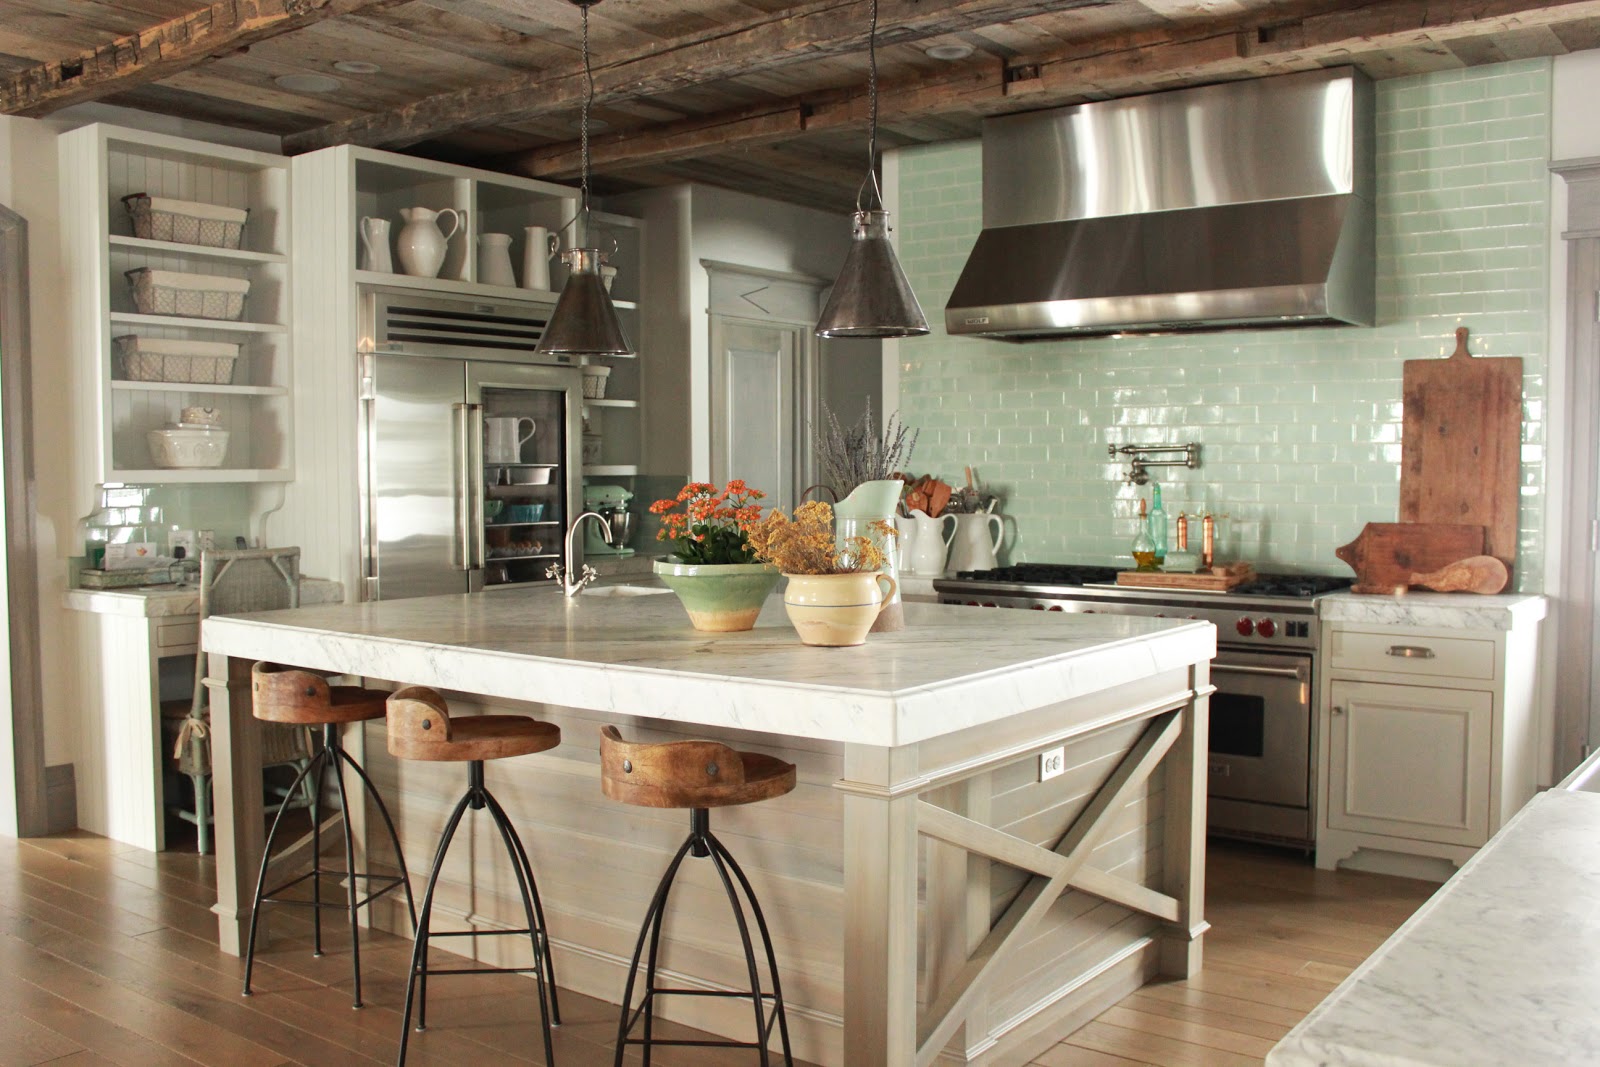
{"x":931,"y":898}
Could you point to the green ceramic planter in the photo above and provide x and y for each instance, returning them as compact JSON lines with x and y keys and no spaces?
{"x":720,"y":598}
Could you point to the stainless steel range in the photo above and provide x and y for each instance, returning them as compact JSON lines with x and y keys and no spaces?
{"x":1263,"y":715}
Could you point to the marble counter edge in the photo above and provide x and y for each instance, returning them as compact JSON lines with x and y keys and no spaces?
{"x":159,"y":602}
{"x":885,"y":718}
{"x":1444,"y":611}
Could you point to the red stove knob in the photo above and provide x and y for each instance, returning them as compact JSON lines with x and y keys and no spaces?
{"x":1057,"y":607}
{"x":1191,"y":616}
{"x":991,"y":605}
{"x":972,"y":604}
{"x":1245,"y":626}
{"x":1161,"y":614}
{"x":1038,"y":607}
{"x":1266,"y":627}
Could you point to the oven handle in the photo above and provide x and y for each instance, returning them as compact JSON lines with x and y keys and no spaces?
{"x":1297,"y":673}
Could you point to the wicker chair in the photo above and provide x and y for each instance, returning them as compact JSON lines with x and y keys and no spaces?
{"x":233,"y":582}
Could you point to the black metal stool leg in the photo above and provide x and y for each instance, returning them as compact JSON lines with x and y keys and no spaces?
{"x":316,"y":851}
{"x":651,"y":923}
{"x":419,"y":951}
{"x":261,"y":878}
{"x":330,"y":743}
{"x":519,"y":856}
{"x":749,"y":955}
{"x":383,"y":810}
{"x":721,"y":850}
{"x":508,"y":836}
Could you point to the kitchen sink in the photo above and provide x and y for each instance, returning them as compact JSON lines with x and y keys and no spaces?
{"x":625,"y":590}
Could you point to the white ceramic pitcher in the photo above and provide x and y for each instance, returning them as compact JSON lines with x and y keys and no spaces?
{"x":375,"y":245}
{"x":538,"y":245}
{"x":502,"y":439}
{"x":977,"y":539}
{"x":853,"y":516}
{"x":929,"y":543}
{"x":494,"y":259}
{"x":421,"y":243}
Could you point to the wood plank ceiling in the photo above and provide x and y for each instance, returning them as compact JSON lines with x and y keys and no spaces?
{"x":762,"y":95}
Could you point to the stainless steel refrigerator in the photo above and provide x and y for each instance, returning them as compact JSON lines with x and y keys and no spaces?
{"x":440,"y":513}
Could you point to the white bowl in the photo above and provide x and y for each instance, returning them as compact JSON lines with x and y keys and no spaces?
{"x":200,"y":416}
{"x":187,"y":449}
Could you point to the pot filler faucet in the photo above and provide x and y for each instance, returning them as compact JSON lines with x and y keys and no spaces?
{"x":562,"y":571}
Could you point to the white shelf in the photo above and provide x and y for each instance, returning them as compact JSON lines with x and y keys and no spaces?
{"x":610,"y":470}
{"x":209,"y":475}
{"x":133,"y":318}
{"x":453,"y":287}
{"x":173,"y":248}
{"x":610,"y":403}
{"x":200,"y":387}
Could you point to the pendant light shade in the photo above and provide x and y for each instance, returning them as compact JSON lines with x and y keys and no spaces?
{"x":584,"y":322}
{"x":871,"y":297}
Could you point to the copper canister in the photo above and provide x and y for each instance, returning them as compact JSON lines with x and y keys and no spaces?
{"x":1208,"y":541}
{"x":1183,"y":532}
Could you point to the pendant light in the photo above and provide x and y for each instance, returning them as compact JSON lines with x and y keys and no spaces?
{"x":584,"y":322}
{"x":871,"y":297}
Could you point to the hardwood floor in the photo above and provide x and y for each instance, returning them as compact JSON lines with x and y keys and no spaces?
{"x":107,"y":956}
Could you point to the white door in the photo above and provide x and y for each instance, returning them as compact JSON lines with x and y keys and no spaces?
{"x":758,"y":401}
{"x":1411,"y":761}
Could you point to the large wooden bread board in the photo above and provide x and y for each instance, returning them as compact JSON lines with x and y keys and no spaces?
{"x":1460,"y":458}
{"x":1387,"y":554}
{"x":1218,"y":579}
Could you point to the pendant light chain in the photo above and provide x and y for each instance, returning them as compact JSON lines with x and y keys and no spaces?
{"x":588,"y":102}
{"x":872,"y":113}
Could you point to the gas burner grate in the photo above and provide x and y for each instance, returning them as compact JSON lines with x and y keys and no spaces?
{"x":1044,"y":574}
{"x":1292,"y":585}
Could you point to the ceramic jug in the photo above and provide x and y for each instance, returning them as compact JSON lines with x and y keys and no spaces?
{"x":927,"y":548}
{"x":501,"y":440}
{"x":375,"y":246}
{"x":494,"y":259}
{"x":539,"y":244}
{"x":853,"y":516}
{"x":421,"y":243}
{"x":977,"y":539}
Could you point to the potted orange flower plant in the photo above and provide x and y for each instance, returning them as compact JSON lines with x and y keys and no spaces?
{"x":835,"y":590}
{"x":713,"y":568}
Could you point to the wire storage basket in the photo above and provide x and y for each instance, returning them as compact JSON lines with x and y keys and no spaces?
{"x":160,"y":359}
{"x":194,"y":296}
{"x":189,"y":222}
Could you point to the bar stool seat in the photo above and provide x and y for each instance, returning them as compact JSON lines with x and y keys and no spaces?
{"x":422,"y":728}
{"x":293,"y":697}
{"x":698,"y":775}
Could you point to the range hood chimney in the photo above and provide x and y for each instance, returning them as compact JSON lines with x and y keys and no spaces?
{"x":1248,"y":204}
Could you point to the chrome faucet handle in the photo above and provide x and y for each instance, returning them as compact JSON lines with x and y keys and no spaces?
{"x":556,"y":571}
{"x":588,"y":575}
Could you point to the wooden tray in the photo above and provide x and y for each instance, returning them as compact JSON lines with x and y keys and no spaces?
{"x":1218,"y":579}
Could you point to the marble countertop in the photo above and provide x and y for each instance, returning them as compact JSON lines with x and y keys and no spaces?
{"x":1444,"y":611}
{"x":951,"y":668}
{"x":162,"y":601}
{"x":1501,"y":966}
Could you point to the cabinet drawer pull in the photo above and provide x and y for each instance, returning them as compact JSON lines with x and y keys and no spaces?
{"x":1411,"y":651}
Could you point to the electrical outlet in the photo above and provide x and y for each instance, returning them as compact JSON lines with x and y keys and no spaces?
{"x":1051,"y":763}
{"x":205,"y":539}
{"x":183,"y":539}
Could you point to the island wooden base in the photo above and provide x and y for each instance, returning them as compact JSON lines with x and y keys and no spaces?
{"x":930,"y":903}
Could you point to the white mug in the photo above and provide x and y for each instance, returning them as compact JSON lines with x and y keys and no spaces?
{"x":539,"y":244}
{"x":501,"y":442}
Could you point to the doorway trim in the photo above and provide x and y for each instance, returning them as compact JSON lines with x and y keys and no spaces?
{"x":21,"y":558}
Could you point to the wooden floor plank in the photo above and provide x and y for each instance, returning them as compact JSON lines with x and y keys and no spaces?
{"x":24,"y":1042}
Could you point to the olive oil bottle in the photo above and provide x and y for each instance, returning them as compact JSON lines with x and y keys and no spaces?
{"x":1144,"y":548}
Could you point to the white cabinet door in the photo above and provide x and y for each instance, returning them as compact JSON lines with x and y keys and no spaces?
{"x":1410,"y":761}
{"x":756,"y":423}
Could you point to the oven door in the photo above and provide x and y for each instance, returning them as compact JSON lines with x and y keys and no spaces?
{"x":1261,"y":728}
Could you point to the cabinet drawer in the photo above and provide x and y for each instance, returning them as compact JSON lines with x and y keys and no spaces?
{"x":1449,"y":657}
{"x":177,"y":634}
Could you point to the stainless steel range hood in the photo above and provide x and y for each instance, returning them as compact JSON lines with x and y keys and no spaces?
{"x":1246,"y":204}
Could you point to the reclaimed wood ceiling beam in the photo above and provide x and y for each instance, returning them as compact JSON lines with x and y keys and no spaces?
{"x":1322,"y":33}
{"x":767,"y":41}
{"x":162,"y":50}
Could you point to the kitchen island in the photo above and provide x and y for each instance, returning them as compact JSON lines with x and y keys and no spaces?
{"x":928,"y":892}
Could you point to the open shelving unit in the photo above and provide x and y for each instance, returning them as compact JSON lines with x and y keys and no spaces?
{"x":100,"y":165}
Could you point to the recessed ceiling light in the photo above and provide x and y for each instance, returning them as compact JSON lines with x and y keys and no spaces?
{"x":949,"y":52}
{"x":356,"y":66}
{"x":307,"y":83}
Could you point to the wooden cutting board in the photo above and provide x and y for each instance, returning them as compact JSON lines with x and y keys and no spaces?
{"x":1460,"y":458}
{"x":1387,"y":554}
{"x":1218,"y":579}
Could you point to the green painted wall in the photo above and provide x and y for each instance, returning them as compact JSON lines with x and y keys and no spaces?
{"x":1300,"y":429}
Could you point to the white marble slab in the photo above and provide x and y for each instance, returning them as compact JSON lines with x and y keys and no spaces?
{"x":951,"y":668}
{"x":1440,"y":611}
{"x":163,"y":601}
{"x":1500,"y":967}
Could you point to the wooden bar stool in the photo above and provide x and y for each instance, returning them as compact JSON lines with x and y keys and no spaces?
{"x":698,"y":775}
{"x":420,"y":728}
{"x":293,"y":697}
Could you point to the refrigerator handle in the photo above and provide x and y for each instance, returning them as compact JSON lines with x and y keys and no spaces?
{"x":462,"y":417}
{"x":476,"y":546}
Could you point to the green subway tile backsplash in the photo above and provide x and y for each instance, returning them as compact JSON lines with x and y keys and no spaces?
{"x":1300,"y":429}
